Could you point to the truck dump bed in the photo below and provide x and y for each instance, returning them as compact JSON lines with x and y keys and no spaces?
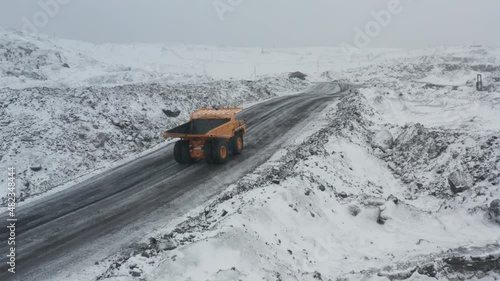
{"x":198,"y":126}
{"x":209,"y":123}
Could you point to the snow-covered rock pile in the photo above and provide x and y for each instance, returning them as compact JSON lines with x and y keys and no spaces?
{"x":24,"y":59}
{"x":494,"y":210}
{"x":437,"y":160}
{"x":455,"y":267}
{"x":438,"y":135}
{"x":383,"y":140}
{"x":443,"y":70}
{"x":28,"y":61}
{"x":54,"y":135}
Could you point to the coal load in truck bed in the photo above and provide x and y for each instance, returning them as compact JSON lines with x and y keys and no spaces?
{"x":198,"y":126}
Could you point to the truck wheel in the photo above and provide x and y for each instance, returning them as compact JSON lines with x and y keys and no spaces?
{"x":178,"y":152}
{"x":237,"y":144}
{"x":186,"y":153}
{"x":220,"y":151}
{"x":208,"y":151}
{"x":181,"y":152}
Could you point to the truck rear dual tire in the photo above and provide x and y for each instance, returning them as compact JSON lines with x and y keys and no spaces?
{"x":216,"y":152}
{"x":220,"y":152}
{"x":208,"y":151}
{"x":181,"y":153}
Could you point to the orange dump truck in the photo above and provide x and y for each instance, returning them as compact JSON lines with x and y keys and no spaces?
{"x":210,"y":134}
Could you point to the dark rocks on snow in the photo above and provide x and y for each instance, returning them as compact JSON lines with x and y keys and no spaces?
{"x":297,"y":74}
{"x":433,"y":86}
{"x":167,"y":245}
{"x":342,"y":194}
{"x":485,"y":68}
{"x":472,"y":264}
{"x":65,"y":65}
{"x":226,"y":196}
{"x":494,"y":210}
{"x":136,"y":273}
{"x":354,"y":210}
{"x":146,"y":254}
{"x":381,"y":220}
{"x":153,"y":242}
{"x":36,"y":168}
{"x":147,"y":138}
{"x":139,"y":143}
{"x":454,"y":267}
{"x":102,"y":138}
{"x":428,"y":270}
{"x":415,"y":133}
{"x":224,"y":213}
{"x":171,"y":113}
{"x":117,"y":122}
{"x":459,"y":181}
{"x":393,"y":198}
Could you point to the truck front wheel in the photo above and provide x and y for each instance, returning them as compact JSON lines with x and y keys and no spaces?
{"x":220,"y":152}
{"x":237,"y":144}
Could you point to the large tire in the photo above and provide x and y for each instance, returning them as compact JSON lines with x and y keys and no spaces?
{"x":178,"y":152}
{"x":181,"y":152}
{"x":208,"y":151}
{"x":220,"y":151}
{"x":237,"y":143}
{"x":186,"y":153}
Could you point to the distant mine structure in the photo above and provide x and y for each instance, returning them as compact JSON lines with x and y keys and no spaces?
{"x":479,"y":83}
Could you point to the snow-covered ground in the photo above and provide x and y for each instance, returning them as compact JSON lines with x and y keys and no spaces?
{"x":36,"y":60}
{"x":395,"y":182}
{"x":223,"y":62}
{"x":398,"y":181}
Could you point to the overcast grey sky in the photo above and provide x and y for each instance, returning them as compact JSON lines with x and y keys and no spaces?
{"x":262,"y":23}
